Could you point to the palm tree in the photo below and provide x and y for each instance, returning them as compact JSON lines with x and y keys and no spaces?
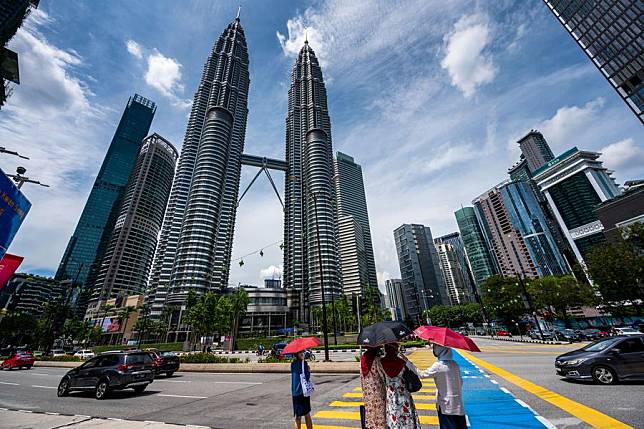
{"x":124,"y":317}
{"x":240,"y":301}
{"x":166,"y":315}
{"x":105,"y":309}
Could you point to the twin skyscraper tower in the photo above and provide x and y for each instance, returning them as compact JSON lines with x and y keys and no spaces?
{"x":194,"y":248}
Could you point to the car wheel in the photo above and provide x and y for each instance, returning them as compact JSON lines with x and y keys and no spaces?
{"x":63,"y":388}
{"x":604,"y":375}
{"x":169,"y":373}
{"x":140,"y":389}
{"x":101,"y":389}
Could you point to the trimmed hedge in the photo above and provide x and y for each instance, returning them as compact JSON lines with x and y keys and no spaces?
{"x":209,"y":358}
{"x":164,"y":347}
{"x":413,"y":343}
{"x":66,"y":358}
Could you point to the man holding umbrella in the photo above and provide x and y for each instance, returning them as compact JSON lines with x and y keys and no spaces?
{"x":447,"y":374}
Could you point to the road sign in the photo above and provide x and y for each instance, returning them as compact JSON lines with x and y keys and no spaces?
{"x":14,"y":207}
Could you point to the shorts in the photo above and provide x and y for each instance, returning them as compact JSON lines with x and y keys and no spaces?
{"x":301,"y":405}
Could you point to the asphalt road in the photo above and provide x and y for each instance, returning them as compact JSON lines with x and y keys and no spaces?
{"x":535,"y":362}
{"x":236,"y":401}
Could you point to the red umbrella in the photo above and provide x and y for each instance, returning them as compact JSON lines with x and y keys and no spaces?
{"x":446,"y":337}
{"x":300,"y":344}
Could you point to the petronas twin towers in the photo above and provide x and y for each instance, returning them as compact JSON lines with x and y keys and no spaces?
{"x":195,"y":245}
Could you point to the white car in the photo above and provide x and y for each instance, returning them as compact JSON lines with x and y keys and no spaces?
{"x":57,"y":353}
{"x":627,"y":331}
{"x":84,"y":354}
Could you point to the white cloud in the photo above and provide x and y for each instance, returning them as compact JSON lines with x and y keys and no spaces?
{"x":52,"y":119}
{"x":134,"y":49}
{"x":624,"y":155}
{"x":564,"y":128}
{"x":449,"y":155}
{"x":465,"y":60}
{"x":271,"y":272}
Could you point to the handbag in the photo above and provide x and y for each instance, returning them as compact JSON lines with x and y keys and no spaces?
{"x":411,"y":380}
{"x":307,"y":385}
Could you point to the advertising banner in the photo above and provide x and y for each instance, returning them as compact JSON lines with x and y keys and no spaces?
{"x":8,"y":265}
{"x":14,"y":207}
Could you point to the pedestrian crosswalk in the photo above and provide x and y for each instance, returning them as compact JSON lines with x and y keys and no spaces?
{"x":344,"y":412}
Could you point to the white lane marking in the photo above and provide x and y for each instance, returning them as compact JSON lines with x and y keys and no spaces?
{"x":237,"y":382}
{"x":173,"y":381}
{"x":494,"y":381}
{"x":545,"y":422}
{"x":182,"y":396}
{"x":52,"y":414}
{"x":523,"y":404}
{"x":503,"y":389}
{"x":44,"y":375}
{"x":44,"y":387}
{"x":10,"y":384}
{"x":25,"y":411}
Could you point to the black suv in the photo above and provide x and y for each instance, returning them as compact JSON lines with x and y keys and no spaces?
{"x":606,"y":361}
{"x":110,"y":371}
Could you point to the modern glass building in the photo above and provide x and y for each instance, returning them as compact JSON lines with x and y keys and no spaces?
{"x":455,"y":241}
{"x":527,"y":217}
{"x":86,"y":247}
{"x":610,"y":33}
{"x":476,"y":246}
{"x":575,"y":183}
{"x":352,"y":201}
{"x":420,"y":270}
{"x":128,"y":258}
{"x":353,"y":257}
{"x":453,"y":274}
{"x":395,"y":299}
{"x":535,"y":150}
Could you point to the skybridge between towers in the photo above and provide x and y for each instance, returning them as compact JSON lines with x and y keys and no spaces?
{"x":265,"y":164}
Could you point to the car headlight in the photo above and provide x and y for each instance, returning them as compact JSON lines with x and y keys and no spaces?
{"x":575,"y":362}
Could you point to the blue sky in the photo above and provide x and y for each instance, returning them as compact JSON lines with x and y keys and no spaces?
{"x":429,"y":96}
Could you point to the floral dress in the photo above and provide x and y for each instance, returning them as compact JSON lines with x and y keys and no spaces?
{"x":373,"y":396}
{"x":401,"y":410}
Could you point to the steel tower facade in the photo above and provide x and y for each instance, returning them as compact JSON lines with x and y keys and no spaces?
{"x":310,"y":224}
{"x":196,"y":239}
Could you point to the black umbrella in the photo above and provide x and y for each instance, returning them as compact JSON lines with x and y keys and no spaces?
{"x":382,"y":333}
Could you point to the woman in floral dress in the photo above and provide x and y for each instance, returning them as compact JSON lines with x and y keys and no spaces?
{"x":373,"y":389}
{"x":401,"y":410}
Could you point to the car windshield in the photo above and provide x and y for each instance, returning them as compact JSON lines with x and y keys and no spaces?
{"x":600,"y":345}
{"x":629,"y":330}
{"x":167,"y":354}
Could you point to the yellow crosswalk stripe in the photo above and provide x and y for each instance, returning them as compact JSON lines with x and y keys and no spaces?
{"x":414,"y":395}
{"x":332,"y":427}
{"x":419,"y":406}
{"x":355,"y":415}
{"x":423,"y":397}
{"x":352,"y":395}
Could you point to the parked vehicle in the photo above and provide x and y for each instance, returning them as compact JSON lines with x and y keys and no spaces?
{"x":626,"y":330}
{"x":57,"y":353}
{"x":110,"y":371}
{"x":503,"y":333}
{"x":84,"y":354}
{"x":19,"y":360}
{"x":606,"y":361}
{"x":164,"y":362}
{"x":566,"y":335}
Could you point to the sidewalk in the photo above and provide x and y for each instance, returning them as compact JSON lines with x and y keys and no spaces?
{"x":22,"y":419}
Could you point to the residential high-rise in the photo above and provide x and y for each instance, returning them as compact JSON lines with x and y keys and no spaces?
{"x":454,"y":239}
{"x":352,"y":201}
{"x":610,"y":33}
{"x":420,"y":270}
{"x":353,"y":260}
{"x":128,"y":258}
{"x":453,"y":274}
{"x":535,"y":150}
{"x":476,"y":246}
{"x":310,"y":219}
{"x":85,"y":250}
{"x":196,"y":238}
{"x":521,"y":240}
{"x":395,"y":298}
{"x":29,"y":292}
{"x":575,"y":183}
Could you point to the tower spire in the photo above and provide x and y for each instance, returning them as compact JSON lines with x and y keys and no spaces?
{"x":238,"y":12}
{"x":306,"y":36}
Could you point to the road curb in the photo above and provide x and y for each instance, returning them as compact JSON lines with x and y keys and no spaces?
{"x":519,"y":340}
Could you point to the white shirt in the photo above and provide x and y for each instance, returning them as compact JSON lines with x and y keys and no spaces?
{"x":449,"y":386}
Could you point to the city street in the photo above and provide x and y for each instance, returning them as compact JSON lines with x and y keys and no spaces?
{"x":232,"y":401}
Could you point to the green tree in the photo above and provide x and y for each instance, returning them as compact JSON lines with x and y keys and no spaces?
{"x":617,"y":270}
{"x":559,"y":293}
{"x":239,"y":305}
{"x":124,"y":317}
{"x":503,"y":297}
{"x":454,"y":316}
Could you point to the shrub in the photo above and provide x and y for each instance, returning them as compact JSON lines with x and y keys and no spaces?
{"x":272,"y":359}
{"x":164,"y":347}
{"x":66,"y":358}
{"x":208,"y":358}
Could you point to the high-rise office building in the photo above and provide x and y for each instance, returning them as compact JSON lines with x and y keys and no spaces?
{"x":196,"y":238}
{"x":353,"y":260}
{"x":454,"y":239}
{"x":395,"y":298}
{"x":420,"y":270}
{"x":128,"y":257}
{"x":610,"y":33}
{"x":310,"y":219}
{"x":453,"y":274}
{"x":521,"y":240}
{"x":535,"y":150}
{"x":352,"y":201}
{"x":29,"y":292}
{"x":85,"y":250}
{"x":476,"y":246}
{"x":575,"y":183}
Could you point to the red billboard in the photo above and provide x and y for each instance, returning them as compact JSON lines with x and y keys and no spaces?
{"x":8,"y":265}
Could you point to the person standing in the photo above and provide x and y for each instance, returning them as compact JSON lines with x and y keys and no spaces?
{"x":373,"y":389}
{"x":401,"y":410}
{"x":301,"y":403}
{"x":449,"y":387}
